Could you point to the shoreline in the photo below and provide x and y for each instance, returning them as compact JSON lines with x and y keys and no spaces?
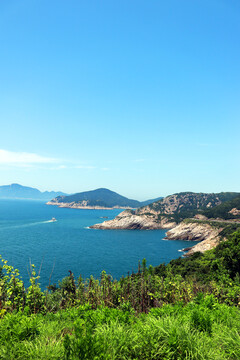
{"x":87,"y":207}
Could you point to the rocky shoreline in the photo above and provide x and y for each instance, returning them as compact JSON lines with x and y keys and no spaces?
{"x":74,"y":205}
{"x":126,"y":220}
{"x":164,"y":214}
{"x":206,"y":235}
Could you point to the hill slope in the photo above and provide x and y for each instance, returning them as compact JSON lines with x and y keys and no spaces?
{"x":186,"y":204}
{"x":16,"y":191}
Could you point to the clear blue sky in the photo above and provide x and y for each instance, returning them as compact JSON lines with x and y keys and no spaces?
{"x":141,"y":97}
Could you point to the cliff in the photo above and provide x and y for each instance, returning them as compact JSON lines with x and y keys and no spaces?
{"x":207,"y":235}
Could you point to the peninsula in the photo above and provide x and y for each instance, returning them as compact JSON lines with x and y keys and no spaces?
{"x":188,"y":216}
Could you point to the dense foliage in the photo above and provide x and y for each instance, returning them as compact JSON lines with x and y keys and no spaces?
{"x":187,"y":309}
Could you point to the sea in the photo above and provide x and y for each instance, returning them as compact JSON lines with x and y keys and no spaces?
{"x":28,"y":236}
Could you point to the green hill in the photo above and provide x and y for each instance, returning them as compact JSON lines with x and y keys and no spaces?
{"x":99,"y":197}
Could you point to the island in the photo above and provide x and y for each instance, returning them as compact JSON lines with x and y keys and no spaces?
{"x":97,"y":199}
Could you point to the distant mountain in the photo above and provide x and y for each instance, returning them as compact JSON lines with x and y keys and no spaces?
{"x":16,"y":191}
{"x":147,"y":202}
{"x":96,"y":198}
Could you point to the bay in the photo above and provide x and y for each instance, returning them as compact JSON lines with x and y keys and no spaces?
{"x":28,"y":236}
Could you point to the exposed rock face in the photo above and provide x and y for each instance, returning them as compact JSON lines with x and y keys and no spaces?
{"x":200,"y":217}
{"x":205,"y":233}
{"x":234,"y":212}
{"x":128,"y":220}
{"x":204,"y":245}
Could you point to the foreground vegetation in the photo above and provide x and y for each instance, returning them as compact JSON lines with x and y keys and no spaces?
{"x":188,"y":309}
{"x":203,"y":329}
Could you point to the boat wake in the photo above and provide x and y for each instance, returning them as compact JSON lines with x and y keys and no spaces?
{"x":25,"y":225}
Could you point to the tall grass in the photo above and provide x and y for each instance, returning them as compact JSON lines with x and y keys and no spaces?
{"x":170,"y":332}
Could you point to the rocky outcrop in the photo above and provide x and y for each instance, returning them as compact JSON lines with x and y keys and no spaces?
{"x":128,"y":220}
{"x":205,"y":233}
{"x":234,"y":212}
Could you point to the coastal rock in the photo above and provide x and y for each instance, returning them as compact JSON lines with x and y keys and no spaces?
{"x":205,"y":233}
{"x":127,"y":220}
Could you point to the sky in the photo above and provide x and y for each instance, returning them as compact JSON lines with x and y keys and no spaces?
{"x":141,"y":97}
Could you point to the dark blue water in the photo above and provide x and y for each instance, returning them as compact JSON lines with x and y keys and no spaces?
{"x":27,"y":235}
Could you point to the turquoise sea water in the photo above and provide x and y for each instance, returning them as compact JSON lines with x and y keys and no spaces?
{"x":67,"y":244}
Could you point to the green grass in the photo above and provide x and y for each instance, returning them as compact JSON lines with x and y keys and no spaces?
{"x":204,"y":329}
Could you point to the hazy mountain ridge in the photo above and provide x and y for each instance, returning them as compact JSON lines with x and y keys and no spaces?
{"x":17,"y":191}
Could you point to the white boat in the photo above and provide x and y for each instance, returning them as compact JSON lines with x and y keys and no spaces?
{"x":53,"y":219}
